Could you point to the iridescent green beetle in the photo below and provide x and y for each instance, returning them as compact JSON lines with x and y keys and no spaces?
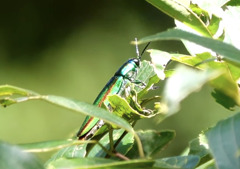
{"x":125,"y":75}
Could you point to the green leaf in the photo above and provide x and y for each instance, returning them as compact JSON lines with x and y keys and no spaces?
{"x":7,"y":102}
{"x":202,"y":14}
{"x":123,"y":147}
{"x":169,"y":72}
{"x":87,"y":109}
{"x":12,"y":157}
{"x":233,"y":3}
{"x":206,"y":60}
{"x":231,"y":24}
{"x":90,"y":110}
{"x":71,"y":104}
{"x":126,"y":144}
{"x":200,"y":148}
{"x":211,"y":5}
{"x":69,"y":152}
{"x":197,"y":149}
{"x":214,"y":24}
{"x":95,"y":150}
{"x":159,"y":60}
{"x":228,"y":51}
{"x":181,"y":13}
{"x":181,"y":84}
{"x":145,"y":73}
{"x":227,"y":96}
{"x":100,"y":163}
{"x":224,"y":100}
{"x":8,"y":90}
{"x":186,"y":162}
{"x":122,"y":109}
{"x":224,"y":142}
{"x":208,"y":165}
{"x":153,"y":142}
{"x":153,"y":80}
{"x":49,"y":145}
{"x":194,"y":61}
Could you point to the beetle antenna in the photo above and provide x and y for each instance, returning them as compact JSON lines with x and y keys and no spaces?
{"x":145,"y":48}
{"x":137,"y":51}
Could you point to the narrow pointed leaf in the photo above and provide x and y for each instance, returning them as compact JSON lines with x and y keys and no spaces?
{"x":181,"y":13}
{"x":8,"y":90}
{"x":228,"y":51}
{"x":49,"y":145}
{"x":90,"y":110}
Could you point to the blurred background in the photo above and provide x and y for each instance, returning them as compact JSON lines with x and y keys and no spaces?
{"x":71,"y":49}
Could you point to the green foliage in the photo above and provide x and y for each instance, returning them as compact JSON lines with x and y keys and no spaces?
{"x":223,"y":140}
{"x":13,"y":157}
{"x":214,"y":60}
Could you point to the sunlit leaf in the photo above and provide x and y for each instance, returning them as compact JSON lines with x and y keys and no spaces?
{"x":233,"y":3}
{"x":169,"y":72}
{"x":206,"y":60}
{"x":122,"y":109}
{"x":228,"y":51}
{"x":182,"y":83}
{"x":224,"y":142}
{"x":159,"y":60}
{"x":214,"y":24}
{"x":226,"y":90}
{"x":210,"y":5}
{"x":8,"y":90}
{"x":194,"y":61}
{"x":182,"y":13}
{"x":231,"y":25}
{"x":145,"y":73}
{"x":153,"y":80}
{"x":7,"y":101}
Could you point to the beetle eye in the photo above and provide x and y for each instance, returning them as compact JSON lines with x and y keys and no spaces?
{"x":137,"y":62}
